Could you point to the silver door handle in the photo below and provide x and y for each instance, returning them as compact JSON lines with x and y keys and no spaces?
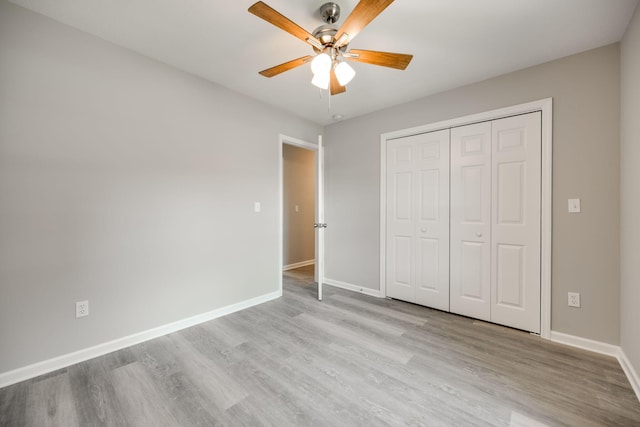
{"x":479,"y":234}
{"x":320,"y":225}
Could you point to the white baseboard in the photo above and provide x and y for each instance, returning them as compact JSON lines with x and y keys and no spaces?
{"x":585,"y":343}
{"x":50,"y":365}
{"x":299,"y":264}
{"x":351,"y":287}
{"x":602,"y":348}
{"x":631,"y":373}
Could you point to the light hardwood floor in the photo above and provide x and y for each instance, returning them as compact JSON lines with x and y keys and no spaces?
{"x":349,"y":360}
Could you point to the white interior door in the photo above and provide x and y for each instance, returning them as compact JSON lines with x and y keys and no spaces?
{"x":400,"y":219}
{"x":499,"y":216}
{"x":320,"y":225}
{"x":418,"y":219}
{"x":470,"y":293}
{"x":431,"y":173}
{"x":515,"y":232}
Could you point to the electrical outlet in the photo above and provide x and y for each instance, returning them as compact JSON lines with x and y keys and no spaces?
{"x":574,"y":299}
{"x":82,"y":308}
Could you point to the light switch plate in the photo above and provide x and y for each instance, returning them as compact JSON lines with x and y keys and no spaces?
{"x":257,"y":207}
{"x":574,"y":205}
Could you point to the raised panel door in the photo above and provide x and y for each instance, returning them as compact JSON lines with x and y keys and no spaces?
{"x":470,"y":212}
{"x":432,"y":219}
{"x":516,"y":187}
{"x":400,"y":220}
{"x":417,"y":214}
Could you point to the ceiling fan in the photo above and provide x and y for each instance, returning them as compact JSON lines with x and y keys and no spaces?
{"x":330,"y":43}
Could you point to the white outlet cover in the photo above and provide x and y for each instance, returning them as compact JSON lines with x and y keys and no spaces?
{"x":573,"y":299}
{"x":82,"y":308}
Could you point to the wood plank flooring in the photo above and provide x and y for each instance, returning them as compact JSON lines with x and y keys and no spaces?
{"x":349,"y":360}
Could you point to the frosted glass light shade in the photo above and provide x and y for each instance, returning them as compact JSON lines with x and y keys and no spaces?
{"x":344,"y":73}
{"x":321,"y":80}
{"x":321,"y":64}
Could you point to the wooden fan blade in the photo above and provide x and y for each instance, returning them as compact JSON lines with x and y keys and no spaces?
{"x":364,"y":12}
{"x":334,"y":85}
{"x":274,"y":71}
{"x":399,"y":61}
{"x":262,"y":10}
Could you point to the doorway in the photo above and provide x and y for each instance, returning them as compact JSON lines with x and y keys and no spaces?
{"x":298,"y":207}
{"x":301,"y":208}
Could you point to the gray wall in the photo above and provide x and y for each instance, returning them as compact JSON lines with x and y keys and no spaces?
{"x":127,"y":183}
{"x":630,"y":193}
{"x":585,"y":91}
{"x":298,"y":172}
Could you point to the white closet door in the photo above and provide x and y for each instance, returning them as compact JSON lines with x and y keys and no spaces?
{"x":515,"y":235}
{"x":400,"y":219}
{"x":418,"y":219}
{"x":471,"y":221}
{"x":432,"y":227}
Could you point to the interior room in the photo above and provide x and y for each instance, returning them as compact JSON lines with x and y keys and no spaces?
{"x":203,"y":223}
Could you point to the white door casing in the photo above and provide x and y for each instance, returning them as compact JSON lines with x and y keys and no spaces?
{"x":418,"y":219}
{"x":471,"y":220}
{"x":515,"y":229}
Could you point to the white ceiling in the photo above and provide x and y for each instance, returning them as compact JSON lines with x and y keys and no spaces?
{"x":454,"y":42}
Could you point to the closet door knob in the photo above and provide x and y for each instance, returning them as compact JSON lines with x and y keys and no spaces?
{"x":479,"y":234}
{"x":424,"y":230}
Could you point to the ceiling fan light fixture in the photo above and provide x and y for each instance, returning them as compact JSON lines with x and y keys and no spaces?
{"x":344,"y":73}
{"x":321,"y":64}
{"x":321,"y":80}
{"x":330,"y":43}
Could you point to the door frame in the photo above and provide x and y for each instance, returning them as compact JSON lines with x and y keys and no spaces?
{"x":545,"y":106}
{"x":282,"y":140}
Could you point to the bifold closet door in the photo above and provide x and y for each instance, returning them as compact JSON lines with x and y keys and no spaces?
{"x":495,"y":221}
{"x":417,"y":237}
{"x":515,"y":230}
{"x":471,"y":221}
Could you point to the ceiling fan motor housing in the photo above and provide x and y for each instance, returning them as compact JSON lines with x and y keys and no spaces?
{"x":330,"y":13}
{"x":325,"y":33}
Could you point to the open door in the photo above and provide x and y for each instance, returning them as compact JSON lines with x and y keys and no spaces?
{"x":320,"y":225}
